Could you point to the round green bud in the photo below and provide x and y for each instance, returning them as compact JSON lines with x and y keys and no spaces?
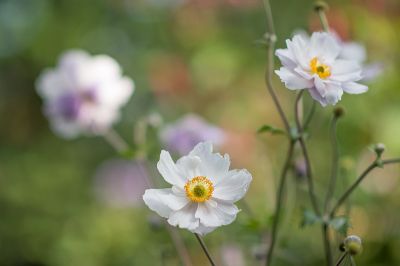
{"x":379,"y":148}
{"x":353,"y":245}
{"x":321,"y":6}
{"x":338,"y":111}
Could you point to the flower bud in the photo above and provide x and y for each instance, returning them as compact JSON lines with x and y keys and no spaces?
{"x":379,"y":149}
{"x":338,"y":111}
{"x":353,"y":245}
{"x":321,"y":6}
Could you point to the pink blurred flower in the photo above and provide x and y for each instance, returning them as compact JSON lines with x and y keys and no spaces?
{"x":187,"y":132}
{"x":232,"y":255}
{"x":121,"y":183}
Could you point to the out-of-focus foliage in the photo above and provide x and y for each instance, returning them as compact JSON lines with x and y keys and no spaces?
{"x":199,"y":56}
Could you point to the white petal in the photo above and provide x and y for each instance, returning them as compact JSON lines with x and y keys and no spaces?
{"x":298,"y":47}
{"x":353,"y":51}
{"x":185,"y":218}
{"x":345,"y":71}
{"x":233,"y":186}
{"x":317,"y":96}
{"x":168,"y":198}
{"x":213,"y":165}
{"x":169,"y":171}
{"x":324,"y":46}
{"x":189,"y":166}
{"x":286,"y":58}
{"x":202,"y":230}
{"x":354,"y":88}
{"x":293,"y":81}
{"x":153,"y":200}
{"x":334,"y":94}
{"x":214,"y":215}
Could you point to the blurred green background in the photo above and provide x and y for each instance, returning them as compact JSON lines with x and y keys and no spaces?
{"x":200,"y":56}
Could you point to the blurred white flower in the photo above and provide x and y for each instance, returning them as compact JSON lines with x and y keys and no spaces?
{"x":203,"y":191}
{"x":314,"y":64}
{"x":185,"y":133}
{"x":121,"y":183}
{"x":83,"y":94}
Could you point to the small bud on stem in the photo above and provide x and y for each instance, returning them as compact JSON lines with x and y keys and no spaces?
{"x":353,"y":245}
{"x":338,"y":111}
{"x":321,"y":6}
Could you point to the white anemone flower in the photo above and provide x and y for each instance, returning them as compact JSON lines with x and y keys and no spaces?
{"x":83,"y":94}
{"x":203,"y":191}
{"x":315,"y":64}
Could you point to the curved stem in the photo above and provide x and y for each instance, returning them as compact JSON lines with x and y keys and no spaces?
{"x":335,"y":163}
{"x":347,"y":193}
{"x":203,"y":245}
{"x":304,"y":150}
{"x":270,"y":64}
{"x":279,"y":201}
{"x":310,"y":115}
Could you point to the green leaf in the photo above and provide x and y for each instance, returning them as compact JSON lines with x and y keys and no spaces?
{"x":341,"y":224}
{"x":273,"y":130}
{"x":310,"y":218}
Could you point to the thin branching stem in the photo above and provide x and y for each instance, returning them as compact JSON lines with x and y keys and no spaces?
{"x":271,"y":38}
{"x":327,"y":244}
{"x":304,"y":150}
{"x":349,"y":191}
{"x":341,"y":259}
{"x":204,"y":247}
{"x":335,"y":163}
{"x":279,"y":201}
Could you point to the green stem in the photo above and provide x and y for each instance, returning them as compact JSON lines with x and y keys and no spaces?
{"x":349,"y":191}
{"x":271,"y":38}
{"x":304,"y":150}
{"x":204,"y":247}
{"x":327,"y":244}
{"x":341,"y":259}
{"x":310,"y":114}
{"x":335,"y":163}
{"x":279,"y":201}
{"x":323,"y":19}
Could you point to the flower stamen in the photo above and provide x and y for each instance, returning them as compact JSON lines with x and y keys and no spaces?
{"x":199,"y":189}
{"x":322,"y":70}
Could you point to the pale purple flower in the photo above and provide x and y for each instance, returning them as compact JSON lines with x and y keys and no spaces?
{"x":314,"y":64}
{"x":203,"y":193}
{"x":232,"y":255}
{"x":121,"y":183}
{"x":187,"y":132}
{"x":83,"y":94}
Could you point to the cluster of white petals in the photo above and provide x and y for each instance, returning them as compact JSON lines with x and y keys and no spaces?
{"x":203,"y":191}
{"x":315,"y":64}
{"x":83,"y":94}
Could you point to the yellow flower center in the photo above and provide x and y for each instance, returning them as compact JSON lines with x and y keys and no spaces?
{"x":322,"y":70}
{"x":199,"y":189}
